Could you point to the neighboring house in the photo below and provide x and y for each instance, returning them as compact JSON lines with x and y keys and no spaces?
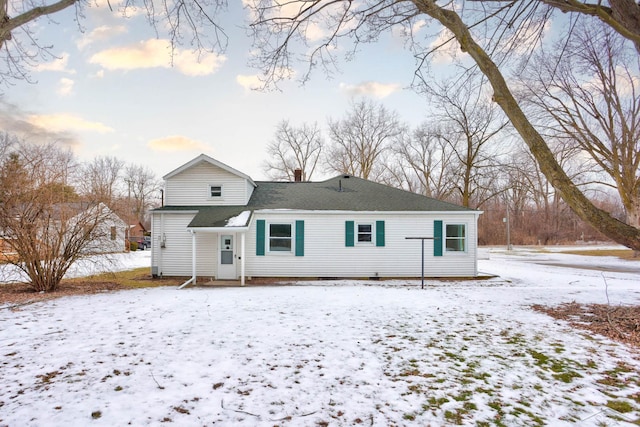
{"x":6,"y":250}
{"x":110,"y":235}
{"x":218,"y":223}
{"x":137,"y":232}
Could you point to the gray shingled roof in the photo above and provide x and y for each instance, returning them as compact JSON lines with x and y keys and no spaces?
{"x":342,"y":193}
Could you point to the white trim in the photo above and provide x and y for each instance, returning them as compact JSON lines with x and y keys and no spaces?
{"x":292,"y":238}
{"x":210,"y":160}
{"x":347,"y":212}
{"x":446,"y":251}
{"x":218,"y":229}
{"x":220,"y":197}
{"x":357,"y":241}
{"x":176,"y":211}
{"x":242,"y":256}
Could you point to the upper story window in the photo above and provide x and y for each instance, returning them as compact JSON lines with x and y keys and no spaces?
{"x":456,"y":238}
{"x":215,"y":191}
{"x":365,"y":233}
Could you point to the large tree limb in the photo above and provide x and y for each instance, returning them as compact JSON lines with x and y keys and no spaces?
{"x":599,"y":219}
{"x":623,"y":15}
{"x":8,"y":24}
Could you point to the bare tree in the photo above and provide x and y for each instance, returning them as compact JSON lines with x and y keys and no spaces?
{"x":502,"y":28}
{"x":361,"y":139}
{"x":593,"y":100}
{"x":101,"y":178}
{"x":423,"y":162}
{"x":42,"y":221}
{"x":473,"y":123}
{"x":294,"y":148}
{"x":142,"y":190}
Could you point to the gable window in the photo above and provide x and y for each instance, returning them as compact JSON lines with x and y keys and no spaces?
{"x":280,"y":237}
{"x":455,"y":240}
{"x":365,"y":233}
{"x":215,"y":191}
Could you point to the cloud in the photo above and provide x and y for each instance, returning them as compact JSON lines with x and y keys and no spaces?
{"x":447,"y":48}
{"x":156,"y":53}
{"x":249,"y":82}
{"x":58,"y":64}
{"x":375,"y":89}
{"x":65,"y":87}
{"x":14,"y":121}
{"x":64,"y":122}
{"x":101,"y":33}
{"x":177,"y":143}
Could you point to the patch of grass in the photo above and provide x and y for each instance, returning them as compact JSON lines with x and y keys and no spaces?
{"x":620,"y":406}
{"x":435,"y":402}
{"x":133,"y":279}
{"x":96,"y":414}
{"x":410,"y":417}
{"x":567,"y":377}
{"x":455,"y":417}
{"x":620,"y":253}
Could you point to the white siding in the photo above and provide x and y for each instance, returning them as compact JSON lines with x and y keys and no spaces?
{"x":175,"y":258}
{"x":325,"y":253}
{"x":207,"y":249}
{"x":191,"y":187}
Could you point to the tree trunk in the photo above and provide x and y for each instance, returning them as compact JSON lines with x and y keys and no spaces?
{"x":620,"y":232}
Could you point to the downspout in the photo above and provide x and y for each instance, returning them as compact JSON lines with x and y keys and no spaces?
{"x":193,"y":261}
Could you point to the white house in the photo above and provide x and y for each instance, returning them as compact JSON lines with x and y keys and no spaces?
{"x":218,"y":223}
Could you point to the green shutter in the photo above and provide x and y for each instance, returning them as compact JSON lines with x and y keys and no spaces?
{"x":437,"y":241}
{"x":348,"y":233}
{"x":260,"y":229}
{"x":299,"y":238}
{"x":379,"y":233}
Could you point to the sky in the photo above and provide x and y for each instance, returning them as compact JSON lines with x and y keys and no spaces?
{"x":111,"y":90}
{"x":340,"y":352}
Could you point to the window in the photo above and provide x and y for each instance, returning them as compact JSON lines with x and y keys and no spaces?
{"x":215,"y":191}
{"x":280,"y":237}
{"x":455,"y":240}
{"x":365,"y":232}
{"x":113,"y":232}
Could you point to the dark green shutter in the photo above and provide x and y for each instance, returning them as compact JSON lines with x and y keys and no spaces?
{"x":299,"y":238}
{"x":348,"y":233}
{"x":260,"y":229}
{"x":437,"y":241}
{"x":379,"y":233}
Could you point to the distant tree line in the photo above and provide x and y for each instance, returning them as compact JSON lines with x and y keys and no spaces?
{"x":582,"y":95}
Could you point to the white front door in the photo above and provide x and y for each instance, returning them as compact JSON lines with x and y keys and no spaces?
{"x":227,"y":258}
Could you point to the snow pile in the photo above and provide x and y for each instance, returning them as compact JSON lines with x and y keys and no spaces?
{"x":87,"y":266}
{"x":239,"y":220}
{"x":342,"y":353}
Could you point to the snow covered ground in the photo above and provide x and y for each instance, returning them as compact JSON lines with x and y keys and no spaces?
{"x":328,"y":353}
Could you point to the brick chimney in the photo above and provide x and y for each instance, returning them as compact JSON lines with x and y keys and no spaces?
{"x":297,"y":175}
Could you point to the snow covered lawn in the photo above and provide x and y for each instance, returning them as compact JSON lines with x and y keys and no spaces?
{"x":328,"y":353}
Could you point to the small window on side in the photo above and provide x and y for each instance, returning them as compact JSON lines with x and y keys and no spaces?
{"x":365,"y":233}
{"x":456,"y":238}
{"x":215,"y":191}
